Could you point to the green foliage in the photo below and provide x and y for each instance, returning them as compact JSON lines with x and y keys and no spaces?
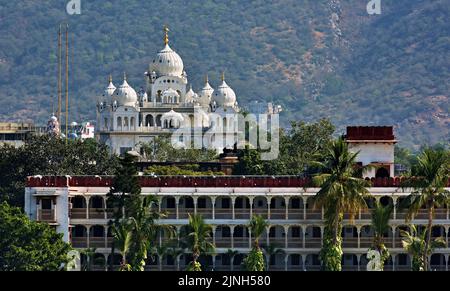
{"x":257,"y":227}
{"x":197,"y":237}
{"x":391,"y":75}
{"x":45,"y":155}
{"x":254,"y":262}
{"x":161,"y":150}
{"x":27,"y":245}
{"x":415,"y":244}
{"x":138,"y":229}
{"x":299,"y":147}
{"x":341,"y":191}
{"x":430,"y":176}
{"x":331,"y":253}
{"x":183,"y":170}
{"x":194,"y":267}
{"x":381,"y":216}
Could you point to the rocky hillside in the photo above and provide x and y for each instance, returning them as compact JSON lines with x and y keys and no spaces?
{"x":316,"y":58}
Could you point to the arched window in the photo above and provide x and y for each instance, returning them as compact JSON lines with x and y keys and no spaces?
{"x":149,"y":122}
{"x":166,"y":124}
{"x":132,"y":122}
{"x":119,"y":122}
{"x":125,"y":122}
{"x":158,"y":96}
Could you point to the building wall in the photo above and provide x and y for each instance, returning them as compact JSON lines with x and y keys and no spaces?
{"x":301,"y":225}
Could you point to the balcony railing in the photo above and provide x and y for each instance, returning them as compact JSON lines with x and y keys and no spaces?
{"x":78,"y":213}
{"x":46,"y":215}
{"x":242,"y":213}
{"x":261,"y":211}
{"x":96,"y":213}
{"x":295,"y":214}
{"x":314,"y":242}
{"x":277,"y":213}
{"x":314,"y":214}
{"x":295,"y":242}
{"x":170,"y":213}
{"x":79,"y":242}
{"x":206,"y":213}
{"x":97,"y":242}
{"x":183,"y":213}
{"x":367,"y":242}
{"x":221,"y":213}
{"x":223,"y":242}
{"x":241,"y":242}
{"x":350,"y":242}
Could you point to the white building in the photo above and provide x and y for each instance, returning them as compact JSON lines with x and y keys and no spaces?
{"x":126,"y":118}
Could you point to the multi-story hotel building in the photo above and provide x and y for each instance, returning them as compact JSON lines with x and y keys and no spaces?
{"x":76,"y":207}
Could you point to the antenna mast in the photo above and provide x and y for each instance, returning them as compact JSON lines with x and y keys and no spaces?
{"x":59,"y":76}
{"x":67,"y":82}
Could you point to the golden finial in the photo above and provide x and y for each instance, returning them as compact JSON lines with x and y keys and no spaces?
{"x":166,"y":35}
{"x":124,"y":76}
{"x":206,"y":79}
{"x":110,"y":78}
{"x":223,"y":76}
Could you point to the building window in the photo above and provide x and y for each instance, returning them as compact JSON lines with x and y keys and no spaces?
{"x":46,"y":204}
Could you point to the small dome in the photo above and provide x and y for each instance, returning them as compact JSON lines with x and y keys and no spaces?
{"x":167,"y":63}
{"x":172,"y":119}
{"x":109,"y":91}
{"x":125,"y":95}
{"x":224,"y":95}
{"x":190,"y":96}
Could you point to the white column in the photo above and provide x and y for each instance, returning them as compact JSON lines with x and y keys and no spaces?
{"x":394,"y":200}
{"x":87,"y":207}
{"x":195,"y":199}
{"x":286,"y":233}
{"x":232,"y":236}
{"x":88,"y":229}
{"x":106,"y":236}
{"x":177,"y":201}
{"x":268,"y":234}
{"x":214,"y":228}
{"x":286,"y":202}
{"x":304,"y":207}
{"x":233,"y":202}
{"x":393,"y":236}
{"x":105,"y":207}
{"x":251,"y":206}
{"x":213,"y":201}
{"x":358,"y":256}
{"x":358,"y":229}
{"x":304,"y":227}
{"x":269,"y":201}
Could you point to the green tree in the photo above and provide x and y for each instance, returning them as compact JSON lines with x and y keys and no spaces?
{"x":429,"y":178}
{"x":122,"y":234}
{"x":415,"y":244}
{"x":44,"y":155}
{"x":342,"y":191}
{"x":183,"y":170}
{"x":27,"y":245}
{"x":380,"y":225}
{"x":272,"y":250}
{"x":198,"y":240}
{"x":255,"y":259}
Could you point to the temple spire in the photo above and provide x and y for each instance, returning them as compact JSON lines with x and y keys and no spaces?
{"x":110,"y":78}
{"x":223,"y":76}
{"x":166,"y":35}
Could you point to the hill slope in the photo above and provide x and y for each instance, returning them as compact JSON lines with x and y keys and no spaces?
{"x":316,"y":58}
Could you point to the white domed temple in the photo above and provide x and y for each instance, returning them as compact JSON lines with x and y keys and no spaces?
{"x":126,"y":118}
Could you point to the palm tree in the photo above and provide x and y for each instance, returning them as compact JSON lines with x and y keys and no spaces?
{"x":145,"y":231}
{"x":415,"y":244}
{"x":380,"y":225}
{"x":255,"y":259}
{"x":161,"y":252}
{"x":198,"y":240}
{"x":122,"y":233}
{"x":89,"y":254}
{"x":342,"y":191}
{"x":272,"y":250}
{"x":429,"y":178}
{"x":231,"y":254}
{"x":176,"y":253}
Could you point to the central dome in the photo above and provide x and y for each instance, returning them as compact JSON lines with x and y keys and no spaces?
{"x":167,"y":63}
{"x":125,"y":95}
